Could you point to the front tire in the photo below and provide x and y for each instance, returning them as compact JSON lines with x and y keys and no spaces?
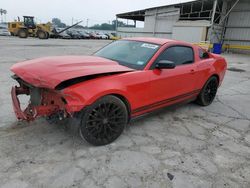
{"x":104,"y":121}
{"x":23,"y":33}
{"x":208,"y":92}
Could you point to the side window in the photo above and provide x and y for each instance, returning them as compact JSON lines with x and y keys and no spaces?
{"x":180,"y":55}
{"x":203,"y":54}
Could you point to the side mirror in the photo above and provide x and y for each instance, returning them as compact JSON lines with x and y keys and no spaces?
{"x":165,"y":64}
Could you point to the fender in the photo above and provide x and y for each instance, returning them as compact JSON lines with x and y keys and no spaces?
{"x":82,"y":94}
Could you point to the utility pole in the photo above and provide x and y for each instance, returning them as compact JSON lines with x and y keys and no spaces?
{"x":3,"y":12}
{"x":116,"y":24}
{"x":87,"y":22}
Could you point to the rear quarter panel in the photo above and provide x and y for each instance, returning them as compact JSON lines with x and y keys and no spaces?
{"x":215,"y":65}
{"x":220,"y":66}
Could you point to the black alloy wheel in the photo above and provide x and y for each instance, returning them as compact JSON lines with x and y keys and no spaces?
{"x":208,"y":92}
{"x":104,"y":121}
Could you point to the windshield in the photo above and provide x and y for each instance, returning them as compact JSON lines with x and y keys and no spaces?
{"x":132,"y":54}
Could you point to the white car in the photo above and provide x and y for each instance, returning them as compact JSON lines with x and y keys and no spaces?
{"x":102,"y":36}
{"x":4,"y":32}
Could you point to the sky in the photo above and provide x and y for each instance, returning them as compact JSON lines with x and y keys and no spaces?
{"x":95,"y":11}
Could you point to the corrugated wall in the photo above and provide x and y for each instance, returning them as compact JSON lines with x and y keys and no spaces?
{"x":238,"y":26}
{"x":160,"y":21}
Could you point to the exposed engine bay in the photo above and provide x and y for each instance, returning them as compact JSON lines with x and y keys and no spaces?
{"x":43,"y":102}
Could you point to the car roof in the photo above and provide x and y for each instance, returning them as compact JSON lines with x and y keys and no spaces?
{"x":159,"y":41}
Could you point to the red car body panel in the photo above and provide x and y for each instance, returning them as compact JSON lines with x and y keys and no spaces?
{"x":142,"y":90}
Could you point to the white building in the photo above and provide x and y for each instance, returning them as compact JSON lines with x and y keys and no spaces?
{"x":216,"y":21}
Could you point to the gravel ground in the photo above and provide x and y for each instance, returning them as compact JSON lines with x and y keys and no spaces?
{"x":189,"y":146}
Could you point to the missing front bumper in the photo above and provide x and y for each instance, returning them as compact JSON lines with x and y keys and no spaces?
{"x":50,"y":103}
{"x":15,"y":91}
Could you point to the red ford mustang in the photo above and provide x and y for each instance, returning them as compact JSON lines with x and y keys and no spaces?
{"x":123,"y":80}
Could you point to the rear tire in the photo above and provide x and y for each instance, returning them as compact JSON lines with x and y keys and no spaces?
{"x":42,"y":34}
{"x":208,"y":92}
{"x":104,"y":121}
{"x":23,"y":33}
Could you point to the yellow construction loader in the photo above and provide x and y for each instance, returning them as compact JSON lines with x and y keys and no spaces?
{"x":27,"y":28}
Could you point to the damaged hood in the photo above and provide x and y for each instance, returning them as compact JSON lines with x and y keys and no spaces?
{"x":49,"y":72}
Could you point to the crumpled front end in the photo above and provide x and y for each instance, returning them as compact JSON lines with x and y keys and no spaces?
{"x":42,"y":102}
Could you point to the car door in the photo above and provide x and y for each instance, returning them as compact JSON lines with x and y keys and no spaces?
{"x":173,"y":84}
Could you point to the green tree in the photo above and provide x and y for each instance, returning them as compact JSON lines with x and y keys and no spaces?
{"x":112,"y":26}
{"x":58,"y":22}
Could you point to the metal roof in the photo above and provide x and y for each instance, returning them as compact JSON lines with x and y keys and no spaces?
{"x":139,"y":15}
